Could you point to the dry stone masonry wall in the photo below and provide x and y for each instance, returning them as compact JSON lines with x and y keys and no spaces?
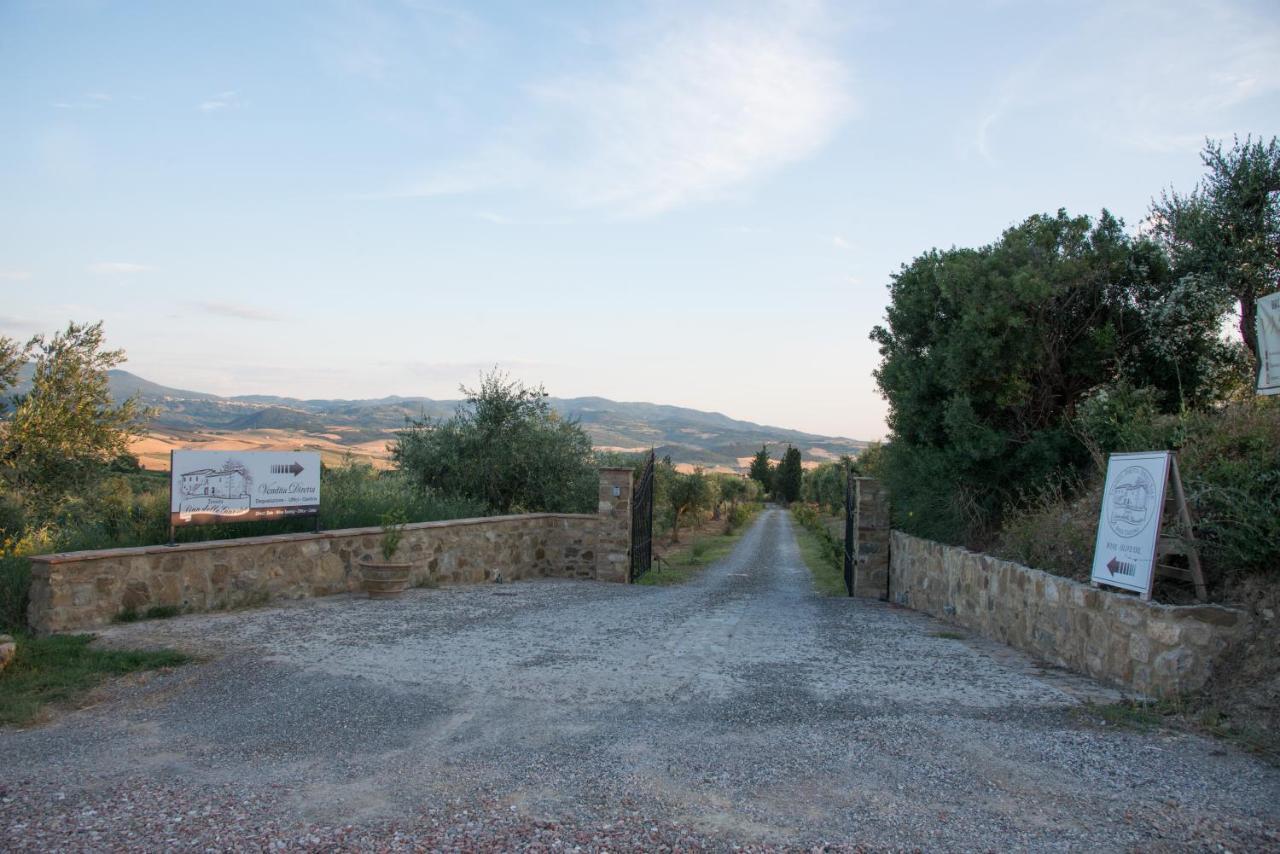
{"x":1155,"y":649}
{"x":80,"y":590}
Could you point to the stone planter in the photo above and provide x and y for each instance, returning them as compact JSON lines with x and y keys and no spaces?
{"x":384,"y":580}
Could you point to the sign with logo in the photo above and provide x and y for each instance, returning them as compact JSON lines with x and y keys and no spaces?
{"x":1124,"y":555}
{"x":238,"y":486}
{"x":1268,"y":327}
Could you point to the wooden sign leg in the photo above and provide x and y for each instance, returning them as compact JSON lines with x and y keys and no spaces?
{"x":1184,"y":514}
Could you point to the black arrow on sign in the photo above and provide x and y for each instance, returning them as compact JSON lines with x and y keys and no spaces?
{"x":1113,"y":565}
{"x":295,"y":468}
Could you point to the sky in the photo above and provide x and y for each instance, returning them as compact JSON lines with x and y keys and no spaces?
{"x":698,"y":204}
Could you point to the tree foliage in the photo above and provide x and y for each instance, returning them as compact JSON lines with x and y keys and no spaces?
{"x":1224,"y":236}
{"x":987,"y":352}
{"x":824,"y":485}
{"x":761,"y":470}
{"x":59,"y":436}
{"x":788,"y":477}
{"x":505,"y":448}
{"x":12,"y":357}
{"x":688,"y":494}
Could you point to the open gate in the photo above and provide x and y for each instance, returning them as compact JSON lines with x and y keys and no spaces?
{"x":850,"y":529}
{"x":642,"y":522}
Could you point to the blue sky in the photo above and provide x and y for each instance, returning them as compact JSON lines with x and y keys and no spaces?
{"x":687,"y":203}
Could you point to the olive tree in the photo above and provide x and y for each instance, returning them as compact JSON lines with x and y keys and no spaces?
{"x":59,"y":436}
{"x":503,"y":447}
{"x":1225,"y":234}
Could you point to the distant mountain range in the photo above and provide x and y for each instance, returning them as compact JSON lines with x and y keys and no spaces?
{"x":689,"y":436}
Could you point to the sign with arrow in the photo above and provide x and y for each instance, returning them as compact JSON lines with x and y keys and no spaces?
{"x":1124,"y":554}
{"x":238,"y":486}
{"x":1268,"y":329}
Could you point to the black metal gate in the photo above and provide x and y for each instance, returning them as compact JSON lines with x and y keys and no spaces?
{"x":850,"y":528}
{"x":642,"y":522}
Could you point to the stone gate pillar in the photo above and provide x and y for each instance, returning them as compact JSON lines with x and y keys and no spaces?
{"x":871,"y":532}
{"x":613,"y":526}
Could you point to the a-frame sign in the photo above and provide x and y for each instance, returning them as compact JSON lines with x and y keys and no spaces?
{"x":1131,"y":546}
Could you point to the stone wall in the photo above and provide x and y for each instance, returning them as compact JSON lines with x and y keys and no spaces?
{"x":79,"y":590}
{"x":1154,"y":649}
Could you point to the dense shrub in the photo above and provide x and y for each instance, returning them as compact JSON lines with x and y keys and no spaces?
{"x":987,"y":353}
{"x":739,"y":515}
{"x":809,"y":516}
{"x":1229,"y":458}
{"x":824,"y":485}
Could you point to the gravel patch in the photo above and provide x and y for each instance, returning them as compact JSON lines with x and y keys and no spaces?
{"x":737,"y":712}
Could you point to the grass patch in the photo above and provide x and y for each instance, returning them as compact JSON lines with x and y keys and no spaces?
{"x":57,"y":669}
{"x":948,"y":635}
{"x":1186,"y":716}
{"x":683,"y":564}
{"x":828,"y":579}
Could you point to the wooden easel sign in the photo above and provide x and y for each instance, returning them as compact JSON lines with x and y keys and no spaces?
{"x":1129,"y":543}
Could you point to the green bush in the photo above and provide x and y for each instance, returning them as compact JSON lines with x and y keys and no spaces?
{"x":1053,"y":528}
{"x":1230,"y":464}
{"x":1231,"y":470}
{"x":808,"y":515}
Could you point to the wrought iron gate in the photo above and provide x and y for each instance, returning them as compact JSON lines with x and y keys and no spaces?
{"x":642,"y":522}
{"x":850,"y":528}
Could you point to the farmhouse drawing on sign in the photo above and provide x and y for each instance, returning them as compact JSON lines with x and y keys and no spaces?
{"x":223,"y":491}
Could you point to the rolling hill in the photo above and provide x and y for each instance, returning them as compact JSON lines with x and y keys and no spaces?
{"x":363,"y":427}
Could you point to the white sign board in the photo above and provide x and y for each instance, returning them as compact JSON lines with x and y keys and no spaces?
{"x":239,"y":486}
{"x":1129,"y":526}
{"x":1268,"y":327}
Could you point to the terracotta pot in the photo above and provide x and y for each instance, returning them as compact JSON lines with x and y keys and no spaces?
{"x":384,"y":580}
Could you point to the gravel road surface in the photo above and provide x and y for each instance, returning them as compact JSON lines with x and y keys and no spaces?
{"x":738,"y":710}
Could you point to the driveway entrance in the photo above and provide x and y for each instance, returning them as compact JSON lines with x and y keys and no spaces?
{"x":740,"y":708}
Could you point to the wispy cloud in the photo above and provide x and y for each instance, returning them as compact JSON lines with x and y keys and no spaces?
{"x":1155,"y":76}
{"x":228,"y":100}
{"x":840,"y":243}
{"x":687,"y":109}
{"x":109,"y":268}
{"x":90,"y":101}
{"x":15,"y":275}
{"x":239,"y":311}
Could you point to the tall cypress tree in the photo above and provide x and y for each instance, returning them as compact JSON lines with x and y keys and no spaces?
{"x":760,"y":470}
{"x":788,"y":477}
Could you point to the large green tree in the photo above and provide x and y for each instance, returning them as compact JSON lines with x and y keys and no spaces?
{"x":761,"y":471}
{"x":503,"y":447}
{"x":59,"y":436}
{"x":987,"y":352}
{"x":788,"y":477}
{"x":1224,"y":236}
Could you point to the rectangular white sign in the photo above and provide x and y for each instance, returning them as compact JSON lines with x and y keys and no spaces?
{"x":1129,"y":525}
{"x":1268,"y":328}
{"x":238,"y":486}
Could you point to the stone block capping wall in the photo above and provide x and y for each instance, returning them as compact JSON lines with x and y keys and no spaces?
{"x":79,"y":590}
{"x":1154,"y":649}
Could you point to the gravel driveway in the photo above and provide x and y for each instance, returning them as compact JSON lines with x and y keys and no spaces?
{"x":740,"y":709}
